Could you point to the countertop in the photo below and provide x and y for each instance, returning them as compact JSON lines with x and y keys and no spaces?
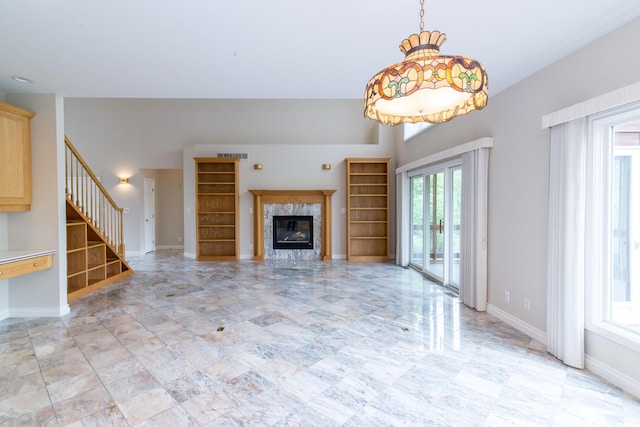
{"x":17,"y":255}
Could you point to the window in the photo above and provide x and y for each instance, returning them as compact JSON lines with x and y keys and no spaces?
{"x":615,"y":296}
{"x":413,"y":129}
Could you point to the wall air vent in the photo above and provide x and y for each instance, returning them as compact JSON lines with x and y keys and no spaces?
{"x":233,"y":155}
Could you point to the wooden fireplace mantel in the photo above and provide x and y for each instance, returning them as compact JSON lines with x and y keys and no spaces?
{"x":262,"y":197}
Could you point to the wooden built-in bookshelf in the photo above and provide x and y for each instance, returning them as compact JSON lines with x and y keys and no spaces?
{"x":367,"y":209}
{"x":217,"y":231}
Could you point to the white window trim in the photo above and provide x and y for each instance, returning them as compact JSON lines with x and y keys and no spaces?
{"x":457,"y":151}
{"x":616,"y":98}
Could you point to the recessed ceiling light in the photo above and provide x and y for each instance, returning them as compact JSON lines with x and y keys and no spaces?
{"x":23,"y":80}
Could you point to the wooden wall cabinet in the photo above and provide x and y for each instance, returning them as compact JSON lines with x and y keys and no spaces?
{"x":15,"y":158}
{"x":367,"y":209}
{"x":217,"y":214}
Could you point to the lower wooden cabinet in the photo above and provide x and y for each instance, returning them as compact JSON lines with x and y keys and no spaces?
{"x":89,"y":260}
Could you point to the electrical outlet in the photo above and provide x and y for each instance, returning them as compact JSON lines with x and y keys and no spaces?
{"x":250,"y":246}
{"x":527,"y":304}
{"x":179,"y":238}
{"x":506,"y":296}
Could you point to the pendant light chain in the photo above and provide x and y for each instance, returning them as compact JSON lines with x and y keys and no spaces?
{"x":421,"y":15}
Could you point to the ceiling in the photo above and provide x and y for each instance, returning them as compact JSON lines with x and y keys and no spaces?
{"x":275,"y":49}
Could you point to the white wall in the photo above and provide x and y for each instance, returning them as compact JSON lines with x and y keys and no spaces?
{"x":120,"y":137}
{"x":285,"y":167}
{"x":519,"y":172}
{"x":43,"y":293}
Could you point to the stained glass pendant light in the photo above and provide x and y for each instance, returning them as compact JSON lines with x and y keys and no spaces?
{"x":426,"y":86}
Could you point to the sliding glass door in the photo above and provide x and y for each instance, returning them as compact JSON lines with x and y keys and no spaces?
{"x":436,"y":203}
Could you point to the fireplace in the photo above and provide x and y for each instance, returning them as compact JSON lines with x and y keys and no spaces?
{"x":292,"y":232}
{"x":315,"y":202}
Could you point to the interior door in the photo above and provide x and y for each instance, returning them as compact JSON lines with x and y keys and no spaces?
{"x":149,"y":215}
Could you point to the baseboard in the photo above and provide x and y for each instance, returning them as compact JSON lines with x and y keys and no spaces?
{"x":39,"y":311}
{"x":4,"y":314}
{"x":179,"y":247}
{"x":189,"y":255}
{"x":250,"y":256}
{"x":612,"y":375}
{"x":128,"y":254}
{"x":523,"y":327}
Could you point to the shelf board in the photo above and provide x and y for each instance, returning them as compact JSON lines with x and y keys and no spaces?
{"x":215,"y":172}
{"x":74,"y":250}
{"x":368,"y":173}
{"x":216,"y":240}
{"x":219,"y":213}
{"x":216,"y":194}
{"x":215,"y":225}
{"x":77,"y":273}
{"x":368,"y":238}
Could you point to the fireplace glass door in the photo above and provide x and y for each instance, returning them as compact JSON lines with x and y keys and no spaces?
{"x":292,"y":232}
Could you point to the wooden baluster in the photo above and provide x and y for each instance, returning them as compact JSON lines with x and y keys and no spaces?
{"x":120,"y":236}
{"x":75,"y":184}
{"x":66,"y":171}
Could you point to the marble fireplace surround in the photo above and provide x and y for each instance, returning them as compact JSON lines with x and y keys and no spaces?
{"x":262,"y":197}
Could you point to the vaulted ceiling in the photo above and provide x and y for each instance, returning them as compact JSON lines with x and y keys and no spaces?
{"x":275,"y":48}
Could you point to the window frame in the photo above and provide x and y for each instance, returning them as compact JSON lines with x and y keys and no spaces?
{"x":599,"y":163}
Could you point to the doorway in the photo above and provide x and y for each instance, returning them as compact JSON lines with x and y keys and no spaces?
{"x":149,"y":215}
{"x":436,"y":213}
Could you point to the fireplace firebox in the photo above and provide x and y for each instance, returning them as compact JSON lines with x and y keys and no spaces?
{"x":292,"y":232}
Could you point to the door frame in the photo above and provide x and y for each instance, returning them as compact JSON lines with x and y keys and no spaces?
{"x":149,"y":207}
{"x":446,"y":168}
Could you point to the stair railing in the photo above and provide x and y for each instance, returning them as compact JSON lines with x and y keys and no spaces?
{"x":92,"y":200}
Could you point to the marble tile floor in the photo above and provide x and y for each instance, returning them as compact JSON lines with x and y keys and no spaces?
{"x":287,"y":343}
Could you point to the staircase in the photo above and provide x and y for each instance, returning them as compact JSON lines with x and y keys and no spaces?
{"x":95,"y":245}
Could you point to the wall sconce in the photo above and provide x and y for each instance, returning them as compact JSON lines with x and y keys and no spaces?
{"x":257,"y":166}
{"x":124,"y":180}
{"x":326,"y":166}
